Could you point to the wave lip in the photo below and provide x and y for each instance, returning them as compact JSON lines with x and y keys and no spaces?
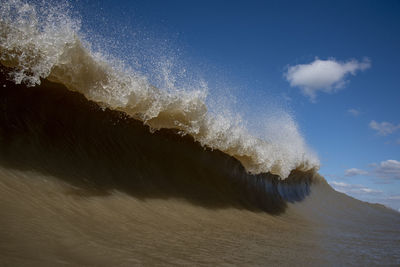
{"x":45,"y":43}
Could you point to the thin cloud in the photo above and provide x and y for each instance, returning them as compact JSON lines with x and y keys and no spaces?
{"x":354,"y":172}
{"x":389,"y":169}
{"x":354,"y":112}
{"x":384,"y":128}
{"x":353,"y":188}
{"x":326,"y":76}
{"x":367,"y":194}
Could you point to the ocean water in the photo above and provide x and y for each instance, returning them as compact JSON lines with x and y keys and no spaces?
{"x":99,"y":167}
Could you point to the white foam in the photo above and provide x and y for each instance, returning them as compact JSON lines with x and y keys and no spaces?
{"x":50,"y":46}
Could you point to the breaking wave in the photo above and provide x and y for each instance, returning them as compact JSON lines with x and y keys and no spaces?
{"x":43,"y":41}
{"x":53,"y":131}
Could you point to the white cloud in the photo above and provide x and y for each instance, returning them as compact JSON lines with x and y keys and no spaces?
{"x":354,"y":112}
{"x":384,"y":128}
{"x":353,"y":188}
{"x":323,"y":75}
{"x":389,"y":169}
{"x":339,"y":184}
{"x":367,"y":194}
{"x":354,"y":172}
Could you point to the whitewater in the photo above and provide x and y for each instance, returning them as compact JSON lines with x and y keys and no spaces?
{"x":100,"y":167}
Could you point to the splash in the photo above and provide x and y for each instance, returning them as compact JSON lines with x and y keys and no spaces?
{"x":44,"y":41}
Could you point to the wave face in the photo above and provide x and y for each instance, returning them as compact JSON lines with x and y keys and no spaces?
{"x":100,"y":168}
{"x":50,"y":129}
{"x":44,"y":42}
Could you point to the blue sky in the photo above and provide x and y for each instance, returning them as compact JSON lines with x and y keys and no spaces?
{"x":334,"y":64}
